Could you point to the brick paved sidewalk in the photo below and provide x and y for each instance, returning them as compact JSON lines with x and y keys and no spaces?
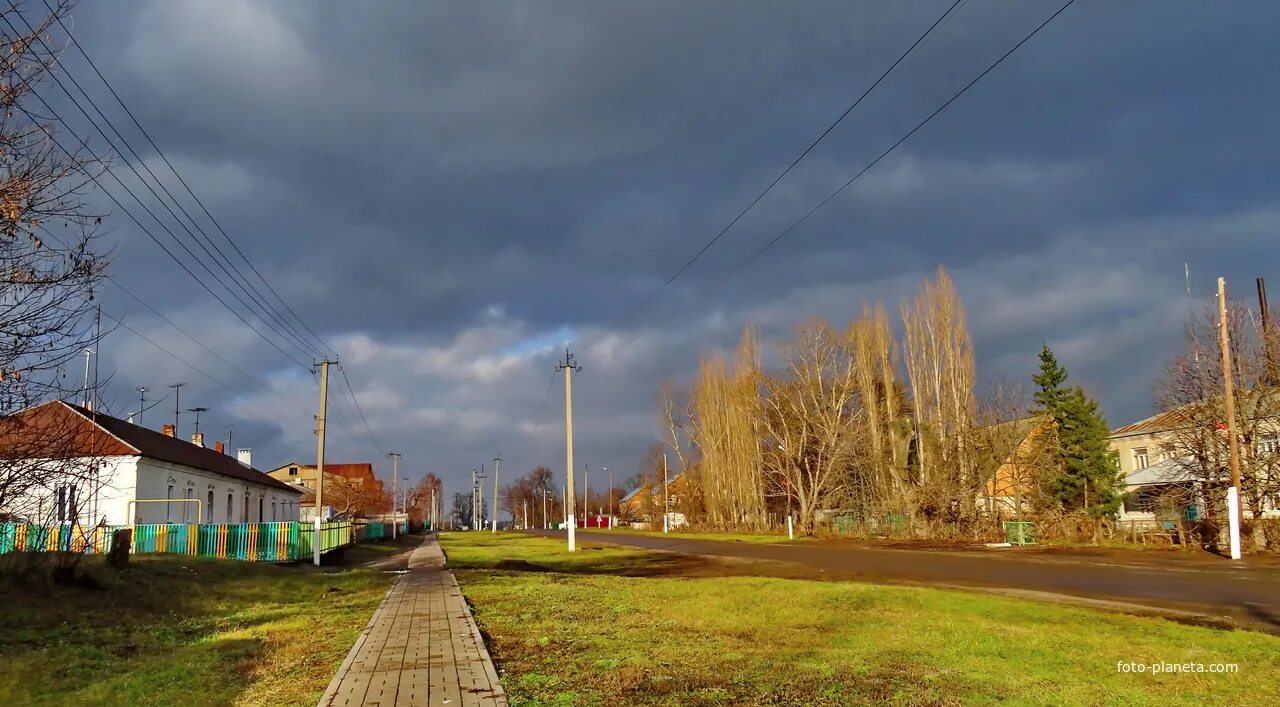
{"x":421,"y":647}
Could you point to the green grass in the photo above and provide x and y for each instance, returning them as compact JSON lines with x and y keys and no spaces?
{"x":622,"y":626}
{"x":173,"y":630}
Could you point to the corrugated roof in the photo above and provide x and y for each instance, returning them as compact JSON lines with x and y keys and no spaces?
{"x":1169,"y":471}
{"x":1167,"y":420}
{"x":126,"y":438}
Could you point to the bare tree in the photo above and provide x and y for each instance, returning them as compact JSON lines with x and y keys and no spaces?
{"x":49,"y":269}
{"x":939,"y":360}
{"x":811,"y":417}
{"x":1191,"y":395}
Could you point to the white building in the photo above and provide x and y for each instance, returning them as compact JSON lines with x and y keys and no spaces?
{"x":123,"y":473}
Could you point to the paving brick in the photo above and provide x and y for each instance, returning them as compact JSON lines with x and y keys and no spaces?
{"x":422,"y":646}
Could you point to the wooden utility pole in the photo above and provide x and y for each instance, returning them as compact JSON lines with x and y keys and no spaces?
{"x":664,"y":492}
{"x":324,"y":407}
{"x":496,"y":462}
{"x":1229,"y":403}
{"x":569,"y":366}
{"x":395,"y":468}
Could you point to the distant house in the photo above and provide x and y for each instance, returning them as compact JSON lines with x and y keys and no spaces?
{"x":136,"y":475}
{"x":349,"y":487}
{"x":1163,"y":485}
{"x":1014,"y":456}
{"x":645,"y":500}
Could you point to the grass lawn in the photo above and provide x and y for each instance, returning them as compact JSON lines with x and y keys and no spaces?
{"x":622,"y":626}
{"x":173,"y":630}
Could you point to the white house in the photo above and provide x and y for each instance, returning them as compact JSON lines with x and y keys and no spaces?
{"x":124,"y":473}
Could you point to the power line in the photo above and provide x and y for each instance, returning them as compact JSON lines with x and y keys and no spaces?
{"x":893,"y":147}
{"x":360,"y":411}
{"x":216,"y":223}
{"x":173,"y":355}
{"x":98,"y":183}
{"x":235,"y":277}
{"x":924,"y":37}
{"x":901,"y":140}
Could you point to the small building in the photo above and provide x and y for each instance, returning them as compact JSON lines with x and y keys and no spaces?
{"x":645,"y":501}
{"x":100,"y":468}
{"x":350,"y":489}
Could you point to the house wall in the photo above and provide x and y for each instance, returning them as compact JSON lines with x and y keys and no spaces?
{"x":249,"y":502}
{"x":1125,"y":446}
{"x":107,"y":497}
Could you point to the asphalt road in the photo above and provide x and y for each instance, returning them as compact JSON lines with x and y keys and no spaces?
{"x":1247,"y":591}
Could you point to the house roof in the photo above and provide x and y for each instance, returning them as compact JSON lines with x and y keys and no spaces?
{"x":98,"y":434}
{"x":1169,"y":471}
{"x":1169,"y":419}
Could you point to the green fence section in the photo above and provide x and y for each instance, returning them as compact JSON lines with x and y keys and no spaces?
{"x":252,"y":542}
{"x":1019,"y":532}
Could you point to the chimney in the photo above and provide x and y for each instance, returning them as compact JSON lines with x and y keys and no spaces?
{"x":245,"y":456}
{"x":220,"y":447}
{"x":168,"y":430}
{"x":198,"y":439}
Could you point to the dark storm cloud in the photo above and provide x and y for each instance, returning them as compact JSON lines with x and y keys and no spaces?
{"x":436,"y":185}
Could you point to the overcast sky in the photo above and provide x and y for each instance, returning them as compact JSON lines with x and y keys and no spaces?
{"x":447,"y":192}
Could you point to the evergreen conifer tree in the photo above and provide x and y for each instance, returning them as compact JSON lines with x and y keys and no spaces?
{"x":1087,"y":470}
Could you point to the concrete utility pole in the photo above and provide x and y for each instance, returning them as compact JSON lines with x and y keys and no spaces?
{"x":586,"y":502}
{"x":177,"y":398}
{"x":1233,"y":492}
{"x":474,"y":483}
{"x":479,"y":524}
{"x":324,"y":408}
{"x":610,"y":473}
{"x":496,"y":461}
{"x":569,"y":366}
{"x":395,"y":468}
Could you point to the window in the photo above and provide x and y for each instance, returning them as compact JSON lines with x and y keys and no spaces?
{"x":1269,"y":445}
{"x":293,"y":471}
{"x":168,"y":496}
{"x":1140,"y":458}
{"x":66,"y":504}
{"x":273,"y":511}
{"x":259,"y":509}
{"x":210,"y":507}
{"x":245,"y":515}
{"x":230,"y":503}
{"x":186,"y":507}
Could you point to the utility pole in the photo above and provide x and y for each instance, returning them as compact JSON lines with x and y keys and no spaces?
{"x":569,"y":366}
{"x":525,"y":503}
{"x":479,"y":524}
{"x":473,"y":496}
{"x":586,"y":502}
{"x":496,"y":461}
{"x":1270,"y":375}
{"x":1233,"y":445}
{"x":395,"y":468}
{"x":88,"y":354}
{"x":142,"y":402}
{"x":177,"y":398}
{"x":546,"y":523}
{"x":664,"y":492}
{"x":610,"y":473}
{"x":324,"y":407}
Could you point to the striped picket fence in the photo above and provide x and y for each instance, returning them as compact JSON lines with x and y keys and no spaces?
{"x":250,"y":542}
